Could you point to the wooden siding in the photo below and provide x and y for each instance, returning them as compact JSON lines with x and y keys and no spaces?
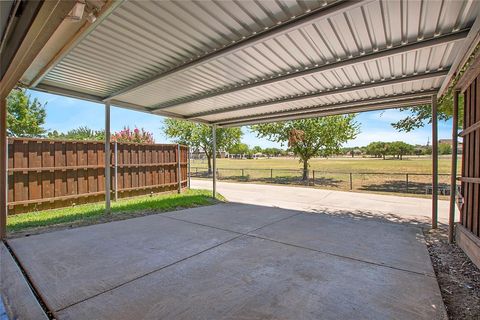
{"x":470,"y":214}
{"x":45,"y":174}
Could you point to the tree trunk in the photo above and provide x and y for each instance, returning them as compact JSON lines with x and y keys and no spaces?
{"x":305,"y":170}
{"x":209,"y":161}
{"x":383,"y":157}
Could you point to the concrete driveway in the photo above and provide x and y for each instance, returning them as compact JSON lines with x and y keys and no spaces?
{"x":227,"y":261}
{"x":355,"y":204}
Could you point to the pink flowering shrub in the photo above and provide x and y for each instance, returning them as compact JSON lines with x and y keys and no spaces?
{"x":136,"y":135}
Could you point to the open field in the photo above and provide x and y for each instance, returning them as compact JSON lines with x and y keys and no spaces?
{"x":411,"y":176}
{"x":95,"y":212}
{"x":344,"y":164}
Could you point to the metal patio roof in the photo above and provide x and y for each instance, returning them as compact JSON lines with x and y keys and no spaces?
{"x":239,"y":62}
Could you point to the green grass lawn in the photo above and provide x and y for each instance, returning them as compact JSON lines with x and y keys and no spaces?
{"x":344,"y":164}
{"x":124,"y":208}
{"x":368,"y":174}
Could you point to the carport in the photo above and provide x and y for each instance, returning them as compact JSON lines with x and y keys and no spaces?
{"x":238,"y":63}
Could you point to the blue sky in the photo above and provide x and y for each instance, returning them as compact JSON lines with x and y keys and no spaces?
{"x":64,"y":114}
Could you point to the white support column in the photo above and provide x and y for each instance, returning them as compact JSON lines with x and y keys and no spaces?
{"x":453,"y":173}
{"x":116,"y":170}
{"x":214,"y":158}
{"x":107,"y":157}
{"x":434,"y":162}
{"x":3,"y":168}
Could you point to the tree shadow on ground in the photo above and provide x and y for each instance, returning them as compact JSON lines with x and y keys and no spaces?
{"x":320,"y":182}
{"x":363,"y":215}
{"x":400,"y":186}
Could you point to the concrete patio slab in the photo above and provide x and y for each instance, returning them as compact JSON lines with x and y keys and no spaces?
{"x":233,"y":216}
{"x":251,"y":278}
{"x":72,"y":265}
{"x":394,"y":245}
{"x":19,"y":300}
{"x":309,"y":199}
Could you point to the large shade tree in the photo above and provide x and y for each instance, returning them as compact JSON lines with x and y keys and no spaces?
{"x":314,"y":137}
{"x":25,"y":117}
{"x":199,"y":136}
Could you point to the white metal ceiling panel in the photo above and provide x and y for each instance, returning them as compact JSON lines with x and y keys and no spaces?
{"x":207,"y":60}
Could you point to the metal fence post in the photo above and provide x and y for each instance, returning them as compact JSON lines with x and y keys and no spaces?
{"x":115,"y":149}
{"x":406,"y":181}
{"x":179,"y":168}
{"x":351,"y":181}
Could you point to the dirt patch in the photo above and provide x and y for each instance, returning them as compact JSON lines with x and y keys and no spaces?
{"x":458,"y":277}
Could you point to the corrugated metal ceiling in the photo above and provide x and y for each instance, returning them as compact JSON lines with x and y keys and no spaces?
{"x":217,"y":61}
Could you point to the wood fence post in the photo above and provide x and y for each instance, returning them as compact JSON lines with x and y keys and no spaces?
{"x":3,"y":167}
{"x":351,"y":181}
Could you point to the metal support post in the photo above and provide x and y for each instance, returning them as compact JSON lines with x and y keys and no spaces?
{"x":107,"y":157}
{"x":179,"y":169}
{"x":189,"y":173}
{"x":214,"y":158}
{"x":116,"y":170}
{"x":434,"y":162}
{"x":453,"y":173}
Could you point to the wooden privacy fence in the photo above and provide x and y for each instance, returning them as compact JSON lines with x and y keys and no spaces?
{"x":45,"y":174}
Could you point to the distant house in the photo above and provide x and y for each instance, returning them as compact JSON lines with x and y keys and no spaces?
{"x":197,"y":154}
{"x":449,"y":142}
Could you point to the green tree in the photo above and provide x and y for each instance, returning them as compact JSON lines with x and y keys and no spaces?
{"x":399,"y":149}
{"x":25,"y":117}
{"x":319,"y":136}
{"x":80,"y":133}
{"x":199,"y":136}
{"x":377,"y":149}
{"x":239,"y":148}
{"x":444,"y":148}
{"x":257,"y":149}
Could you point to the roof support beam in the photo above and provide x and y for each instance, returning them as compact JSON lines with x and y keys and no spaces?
{"x":82,"y":32}
{"x":399,"y":99}
{"x":387,"y":52}
{"x":98,"y":99}
{"x":276,"y":31}
{"x":380,"y":83}
{"x":49,"y":17}
{"x":335,"y":111}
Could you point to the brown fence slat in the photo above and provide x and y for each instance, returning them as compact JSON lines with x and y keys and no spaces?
{"x":46,"y":174}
